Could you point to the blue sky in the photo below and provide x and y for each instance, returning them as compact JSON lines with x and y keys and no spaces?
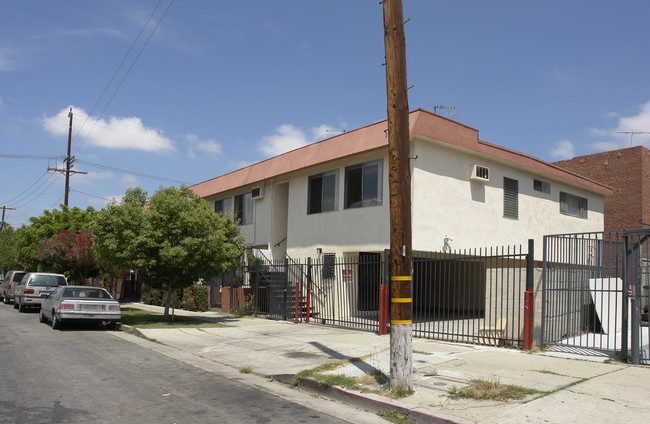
{"x":166,"y":92}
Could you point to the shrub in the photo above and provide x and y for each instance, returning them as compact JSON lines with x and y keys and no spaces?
{"x":193,"y":298}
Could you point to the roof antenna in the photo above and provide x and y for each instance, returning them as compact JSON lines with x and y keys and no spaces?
{"x":632,"y":132}
{"x":451,"y":110}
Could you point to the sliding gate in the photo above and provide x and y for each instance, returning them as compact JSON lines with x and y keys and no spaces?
{"x":595,"y":293}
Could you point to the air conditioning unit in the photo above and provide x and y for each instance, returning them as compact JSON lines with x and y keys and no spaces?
{"x":257,"y":192}
{"x":480,"y":173}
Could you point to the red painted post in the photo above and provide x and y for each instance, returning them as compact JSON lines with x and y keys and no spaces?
{"x":383,"y":309}
{"x":529,"y":306}
{"x":308,"y":299}
{"x":297,"y":296}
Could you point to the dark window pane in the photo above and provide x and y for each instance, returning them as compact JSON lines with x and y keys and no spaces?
{"x":315,"y":194}
{"x":353,"y":187}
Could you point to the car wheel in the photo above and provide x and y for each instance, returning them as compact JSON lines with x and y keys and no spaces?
{"x":111,"y":325}
{"x":15,"y":303}
{"x":56,"y":323}
{"x":5,"y":300}
{"x":21,"y":307}
{"x":41,"y":317}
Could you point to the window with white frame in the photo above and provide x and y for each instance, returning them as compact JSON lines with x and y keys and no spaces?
{"x":363,"y":184}
{"x":510,"y":198}
{"x":243,"y":210}
{"x":322,"y":192}
{"x":223,"y":205}
{"x":573,"y":205}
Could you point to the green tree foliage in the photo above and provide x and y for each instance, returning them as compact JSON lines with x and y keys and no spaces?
{"x":184,"y":240}
{"x":7,"y":256}
{"x":28,"y":238}
{"x":69,"y":252}
{"x":115,"y":230}
{"x":172,"y":240}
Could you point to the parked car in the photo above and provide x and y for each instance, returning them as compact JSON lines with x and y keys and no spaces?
{"x":8,"y":285}
{"x":34,"y":287}
{"x":80,"y":304}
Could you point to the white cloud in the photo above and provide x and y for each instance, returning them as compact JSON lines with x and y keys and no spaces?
{"x":114,"y":133}
{"x":288,"y":137}
{"x":626,"y":132}
{"x":563,"y":149}
{"x":195,"y":145}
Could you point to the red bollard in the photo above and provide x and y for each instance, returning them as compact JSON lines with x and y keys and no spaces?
{"x":297,"y":296}
{"x":529,"y":306}
{"x":383,"y":309}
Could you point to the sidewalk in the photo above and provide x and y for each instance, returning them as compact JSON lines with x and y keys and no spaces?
{"x":580,"y":391}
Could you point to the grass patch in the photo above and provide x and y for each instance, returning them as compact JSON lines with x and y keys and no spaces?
{"x":145,"y":319}
{"x":491,"y":389}
{"x":245,"y":370}
{"x":395,"y":417}
{"x":374,"y":381}
{"x":421,"y":352}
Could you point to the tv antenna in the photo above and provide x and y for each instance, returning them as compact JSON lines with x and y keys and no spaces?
{"x":451,"y":110}
{"x":632,"y":132}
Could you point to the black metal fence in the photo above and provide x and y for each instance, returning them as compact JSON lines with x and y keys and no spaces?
{"x":595,"y":293}
{"x":474,"y":296}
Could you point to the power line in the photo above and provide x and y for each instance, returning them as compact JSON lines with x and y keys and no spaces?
{"x":138,"y":174}
{"x":128,"y":70}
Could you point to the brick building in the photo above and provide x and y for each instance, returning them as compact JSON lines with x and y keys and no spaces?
{"x":627,"y":171}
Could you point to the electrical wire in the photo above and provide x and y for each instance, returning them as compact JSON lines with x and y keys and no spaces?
{"x":137,"y":174}
{"x":128,"y":70}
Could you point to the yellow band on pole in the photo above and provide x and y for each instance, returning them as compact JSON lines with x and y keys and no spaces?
{"x":398,"y":278}
{"x":401,"y":299}
{"x":401,"y":321}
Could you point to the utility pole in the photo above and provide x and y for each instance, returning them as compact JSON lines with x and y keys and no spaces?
{"x":399,"y":181}
{"x":69,"y":161}
{"x":4,"y":209}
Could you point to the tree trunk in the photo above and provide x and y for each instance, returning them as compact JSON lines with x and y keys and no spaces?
{"x":168,"y":302}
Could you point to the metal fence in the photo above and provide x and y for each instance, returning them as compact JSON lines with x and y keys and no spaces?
{"x":595,"y":293}
{"x":474,"y":296}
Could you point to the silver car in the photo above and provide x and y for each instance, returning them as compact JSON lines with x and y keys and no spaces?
{"x":8,"y":285}
{"x":34,"y":287}
{"x":80,"y":304}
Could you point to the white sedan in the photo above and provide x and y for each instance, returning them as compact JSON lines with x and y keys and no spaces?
{"x":80,"y":304}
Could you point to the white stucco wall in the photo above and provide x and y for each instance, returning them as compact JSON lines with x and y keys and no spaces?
{"x":447,"y":203}
{"x":341,"y":231}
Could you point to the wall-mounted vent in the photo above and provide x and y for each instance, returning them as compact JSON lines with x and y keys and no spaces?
{"x":480,"y":173}
{"x":257,"y":193}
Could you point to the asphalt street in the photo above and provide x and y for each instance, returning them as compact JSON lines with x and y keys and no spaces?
{"x":90,"y":375}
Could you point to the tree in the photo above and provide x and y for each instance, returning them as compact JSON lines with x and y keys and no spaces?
{"x":115,"y":230}
{"x":28,"y":238}
{"x":172,"y":240}
{"x":71,"y":252}
{"x":7,"y":256}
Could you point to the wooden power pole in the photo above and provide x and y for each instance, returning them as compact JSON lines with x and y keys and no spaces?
{"x":69,"y":161}
{"x":399,"y":180}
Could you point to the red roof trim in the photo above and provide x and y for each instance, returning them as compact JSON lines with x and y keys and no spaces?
{"x":373,"y":137}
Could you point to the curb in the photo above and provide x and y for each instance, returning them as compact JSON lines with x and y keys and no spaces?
{"x":375,"y":403}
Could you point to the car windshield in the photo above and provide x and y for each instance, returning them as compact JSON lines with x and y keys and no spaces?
{"x":90,"y":292}
{"x":47,"y":280}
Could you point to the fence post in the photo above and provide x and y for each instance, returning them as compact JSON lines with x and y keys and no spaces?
{"x":529,"y":297}
{"x":308,"y":289}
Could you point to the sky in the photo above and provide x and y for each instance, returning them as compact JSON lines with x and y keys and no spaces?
{"x":171,"y":92}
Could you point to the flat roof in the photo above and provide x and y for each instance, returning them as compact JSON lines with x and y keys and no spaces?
{"x":374,"y":137}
